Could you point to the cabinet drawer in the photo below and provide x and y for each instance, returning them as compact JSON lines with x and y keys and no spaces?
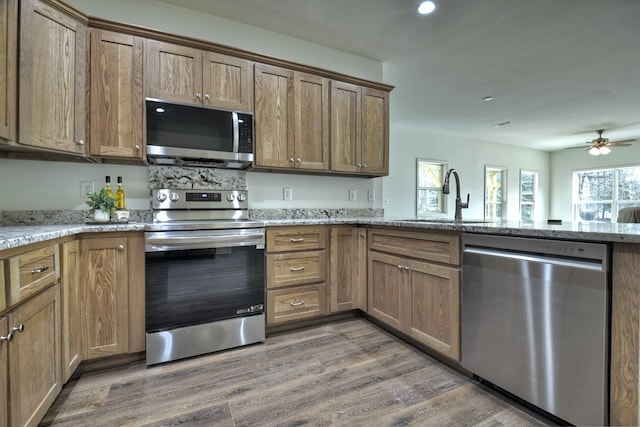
{"x":439,"y":247}
{"x":296,"y":303}
{"x":296,"y":268}
{"x":296,"y":239}
{"x":31,"y":272}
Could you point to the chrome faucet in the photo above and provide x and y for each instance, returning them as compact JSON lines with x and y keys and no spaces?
{"x":445,"y":190}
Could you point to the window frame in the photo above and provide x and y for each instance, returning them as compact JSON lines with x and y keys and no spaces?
{"x":444,"y":165}
{"x":504,"y":171}
{"x":534,"y":195}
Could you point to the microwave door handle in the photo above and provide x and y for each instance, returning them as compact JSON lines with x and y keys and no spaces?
{"x":236,"y":136}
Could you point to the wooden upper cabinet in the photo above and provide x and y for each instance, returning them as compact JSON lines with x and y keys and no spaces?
{"x":311,"y":101}
{"x":184,"y":74}
{"x":375,"y":132}
{"x":274,"y":112}
{"x":227,"y":82}
{"x":359,"y":130}
{"x":52,"y":79}
{"x":8,"y":68}
{"x":116,"y":96}
{"x":173,"y":72}
{"x":292,"y":119}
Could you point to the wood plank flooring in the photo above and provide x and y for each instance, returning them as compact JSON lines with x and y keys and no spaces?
{"x":345,"y":373}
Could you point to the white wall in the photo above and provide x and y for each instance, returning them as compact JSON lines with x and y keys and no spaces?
{"x":469,"y":158}
{"x":565,"y":162}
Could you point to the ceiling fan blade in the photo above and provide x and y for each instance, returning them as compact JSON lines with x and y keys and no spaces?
{"x":622,"y":141}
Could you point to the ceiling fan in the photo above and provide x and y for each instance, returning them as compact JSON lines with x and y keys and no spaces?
{"x":602,"y":145}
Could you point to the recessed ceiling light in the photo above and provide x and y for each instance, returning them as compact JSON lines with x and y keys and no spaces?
{"x":488,"y":98}
{"x":427,"y":7}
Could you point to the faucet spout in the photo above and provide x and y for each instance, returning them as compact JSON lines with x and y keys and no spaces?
{"x":445,"y":190}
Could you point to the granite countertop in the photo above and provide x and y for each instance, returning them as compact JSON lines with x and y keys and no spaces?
{"x":16,"y":236}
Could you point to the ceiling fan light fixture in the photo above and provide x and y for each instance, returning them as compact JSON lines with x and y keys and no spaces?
{"x":594,"y":151}
{"x":427,"y":7}
{"x":605,"y":150}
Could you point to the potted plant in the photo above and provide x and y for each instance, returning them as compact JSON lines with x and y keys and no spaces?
{"x":102,"y":205}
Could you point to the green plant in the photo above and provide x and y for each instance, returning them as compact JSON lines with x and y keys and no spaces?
{"x":101,"y":201}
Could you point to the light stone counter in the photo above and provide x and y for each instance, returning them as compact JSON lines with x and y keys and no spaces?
{"x":15,"y":236}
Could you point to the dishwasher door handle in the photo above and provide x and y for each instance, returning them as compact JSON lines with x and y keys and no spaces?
{"x":566,"y":262}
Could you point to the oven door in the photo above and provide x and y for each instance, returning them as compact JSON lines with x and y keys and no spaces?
{"x":195,"y":279}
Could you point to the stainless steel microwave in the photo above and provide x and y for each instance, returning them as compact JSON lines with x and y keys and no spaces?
{"x":187,"y":135}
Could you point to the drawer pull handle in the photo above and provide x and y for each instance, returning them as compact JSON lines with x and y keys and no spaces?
{"x":8,"y":338}
{"x":297,"y":303}
{"x":40,"y":269}
{"x":297,"y":268}
{"x":301,"y":239}
{"x":19,"y":328}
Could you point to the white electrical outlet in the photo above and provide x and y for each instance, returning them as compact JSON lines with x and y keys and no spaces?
{"x":86,"y":187}
{"x":352,"y":195}
{"x":372,"y":195}
{"x":287,"y":193}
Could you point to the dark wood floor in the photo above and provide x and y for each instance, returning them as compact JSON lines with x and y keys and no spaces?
{"x":345,"y":373}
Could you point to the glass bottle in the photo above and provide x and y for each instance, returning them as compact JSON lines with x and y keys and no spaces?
{"x":120,"y":205}
{"x":107,"y":186}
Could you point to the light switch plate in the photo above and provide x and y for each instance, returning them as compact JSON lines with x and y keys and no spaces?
{"x":372,"y":195}
{"x":352,"y":195}
{"x":86,"y":187}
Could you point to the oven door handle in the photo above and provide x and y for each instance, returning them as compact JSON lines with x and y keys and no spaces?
{"x":162,"y":243}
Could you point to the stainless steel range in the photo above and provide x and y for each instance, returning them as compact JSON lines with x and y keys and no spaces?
{"x":204,"y":263}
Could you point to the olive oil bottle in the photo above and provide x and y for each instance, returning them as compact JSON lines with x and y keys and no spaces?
{"x":120,"y":203}
{"x":107,"y":186}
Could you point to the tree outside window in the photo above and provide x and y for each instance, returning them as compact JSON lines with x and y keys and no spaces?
{"x":495,"y":190}
{"x":528,"y":192}
{"x":429,"y":198}
{"x":598,"y":195}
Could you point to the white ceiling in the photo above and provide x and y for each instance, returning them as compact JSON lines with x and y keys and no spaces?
{"x":557,"y":69}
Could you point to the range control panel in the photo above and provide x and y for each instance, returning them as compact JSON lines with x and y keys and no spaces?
{"x":162,"y":199}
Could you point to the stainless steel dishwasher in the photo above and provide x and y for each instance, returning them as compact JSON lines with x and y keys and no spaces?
{"x":535,"y":322}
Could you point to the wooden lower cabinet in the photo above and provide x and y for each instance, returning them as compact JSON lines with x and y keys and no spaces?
{"x":4,"y":372}
{"x":33,"y":366}
{"x":70,"y":308}
{"x":112,"y":297}
{"x":417,"y":297}
{"x":296,"y":272}
{"x":348,"y":268}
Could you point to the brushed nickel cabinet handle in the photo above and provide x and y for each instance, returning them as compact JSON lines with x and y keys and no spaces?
{"x":206,"y":96}
{"x":137,"y":147}
{"x":297,"y":304}
{"x":364,"y":165}
{"x":19,"y":328}
{"x":80,"y":142}
{"x":298,"y":240}
{"x":291,"y":160}
{"x":198,"y":95}
{"x":298,"y":160}
{"x":8,"y":338}
{"x":40,"y":269}
{"x":297,"y":268}
{"x":121,"y":248}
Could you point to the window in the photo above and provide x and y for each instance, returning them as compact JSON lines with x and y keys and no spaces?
{"x":598,"y":195}
{"x":429,"y":199}
{"x":495,"y":192}
{"x":528,"y":192}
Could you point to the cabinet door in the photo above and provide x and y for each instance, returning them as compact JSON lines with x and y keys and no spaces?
{"x":375,"y":132}
{"x":434,"y":299}
{"x":274,"y":117}
{"x":227,"y":82}
{"x":348,"y":268}
{"x":386,"y":281}
{"x":311,"y":122}
{"x":173,"y":72}
{"x":4,"y":371}
{"x":104,"y":296}
{"x":116,"y":95}
{"x":70,"y":309}
{"x":34,"y":358}
{"x":345,"y":127}
{"x":8,"y":49}
{"x":52,"y":109}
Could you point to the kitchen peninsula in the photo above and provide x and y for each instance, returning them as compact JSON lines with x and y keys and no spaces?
{"x":624,"y":239}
